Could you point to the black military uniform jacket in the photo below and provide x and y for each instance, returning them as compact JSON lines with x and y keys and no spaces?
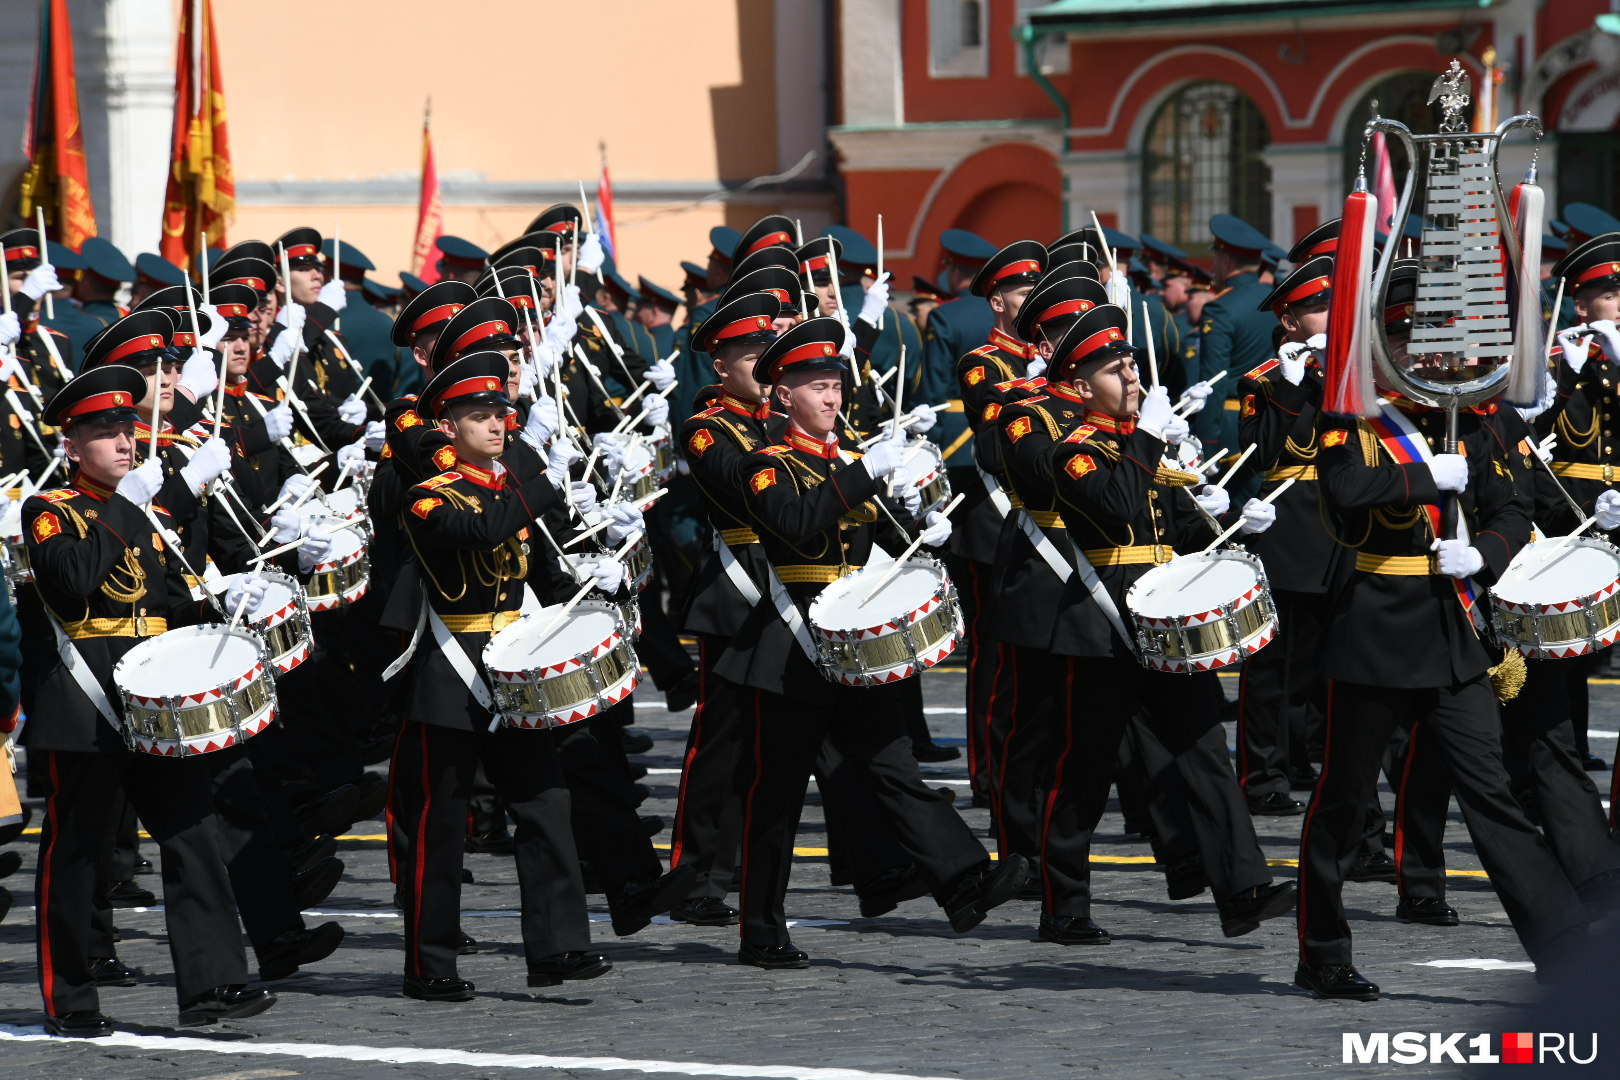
{"x":1583,"y":415}
{"x":1127,"y":513}
{"x":990,"y":375}
{"x":1280,"y":421}
{"x":1028,"y":591}
{"x":718,"y":445}
{"x":1396,"y":621}
{"x":259,"y":464}
{"x":470,"y":531}
{"x":320,"y":375}
{"x":108,"y":577}
{"x":812,"y":505}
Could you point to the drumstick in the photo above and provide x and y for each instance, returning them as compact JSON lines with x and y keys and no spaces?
{"x":263,"y":556}
{"x":899,"y":384}
{"x":241,"y":606}
{"x":626,"y":421}
{"x":27,"y":421}
{"x":1232,"y":531}
{"x":227,"y":491}
{"x":600,"y":525}
{"x":911,"y":549}
{"x":596,"y":379}
{"x":1153,"y":355}
{"x":285,"y":442}
{"x":1536,"y":448}
{"x":1213,"y":462}
{"x":617,"y":556}
{"x":552,"y":540}
{"x":273,"y":507}
{"x":1221,"y":483}
{"x":1552,"y":323}
{"x":177,"y":548}
{"x":1186,"y":402}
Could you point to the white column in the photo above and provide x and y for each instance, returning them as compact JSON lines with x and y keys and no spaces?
{"x":1310,"y":175}
{"x":801,"y":90}
{"x":137,"y":92}
{"x":869,"y":62}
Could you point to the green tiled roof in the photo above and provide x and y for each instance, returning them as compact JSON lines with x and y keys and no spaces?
{"x":1093,"y":14}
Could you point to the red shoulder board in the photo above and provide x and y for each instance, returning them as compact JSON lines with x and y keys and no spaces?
{"x":59,"y":495}
{"x":1033,"y":400}
{"x":444,"y":457}
{"x":974,"y":375}
{"x":1009,"y":384}
{"x":1260,"y":371}
{"x":407,"y":419}
{"x":1080,"y":434}
{"x":1037,"y":383}
{"x":986,"y":349}
{"x":433,"y":483}
{"x":1336,"y":437}
{"x":991,"y":411}
{"x":774,"y":450}
{"x":716,"y":411}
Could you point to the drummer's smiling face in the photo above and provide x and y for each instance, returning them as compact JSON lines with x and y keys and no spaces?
{"x":1110,"y":386}
{"x":811,"y":400}
{"x":478,"y":431}
{"x":105,"y":453}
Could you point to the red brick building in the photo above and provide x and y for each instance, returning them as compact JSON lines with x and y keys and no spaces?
{"x":1013,"y":118}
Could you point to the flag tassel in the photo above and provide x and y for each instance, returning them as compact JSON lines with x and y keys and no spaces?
{"x":1347,"y":370}
{"x":1528,"y":376}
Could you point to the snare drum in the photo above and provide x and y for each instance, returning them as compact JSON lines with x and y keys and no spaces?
{"x":13,"y":546}
{"x":1559,"y":597}
{"x":576,"y":670}
{"x":640,"y":477}
{"x":1202,"y":612}
{"x":344,"y":577}
{"x":914,"y":623}
{"x":184,"y":692}
{"x":282,"y":622}
{"x":638,"y":561}
{"x":344,"y":504}
{"x":928,"y":474}
{"x":307,"y":454}
{"x":662,"y":444}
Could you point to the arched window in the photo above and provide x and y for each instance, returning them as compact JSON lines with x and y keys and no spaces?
{"x":1402,"y":97}
{"x":972,"y":24}
{"x":1202,"y":157}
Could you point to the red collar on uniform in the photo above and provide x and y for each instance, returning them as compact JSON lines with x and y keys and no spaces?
{"x":237,"y":389}
{"x":1008,"y":343}
{"x":742,"y":407}
{"x":494,"y":479}
{"x":1107,"y":422}
{"x":143,"y":430}
{"x":812,"y":445}
{"x":89,"y":487}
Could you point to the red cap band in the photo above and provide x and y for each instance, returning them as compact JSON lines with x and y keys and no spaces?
{"x":815,"y":350}
{"x":1601,"y":270}
{"x":819,"y":262}
{"x":298,"y":251}
{"x":233,"y":311}
{"x":252,"y":282}
{"x":769,"y":240}
{"x":1013,"y":269}
{"x":1398,"y":311}
{"x":1096,"y":341}
{"x":483,"y":384}
{"x":1308,"y":288}
{"x":112,"y":399}
{"x":480,"y":332}
{"x":435,"y":315}
{"x":133,"y":346}
{"x":22,"y":251}
{"x":751,"y":325}
{"x":1067,"y":307}
{"x":183,"y":338}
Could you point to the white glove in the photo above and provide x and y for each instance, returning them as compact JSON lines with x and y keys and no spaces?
{"x":610,"y":449}
{"x":876,"y":301}
{"x":1292,"y":358}
{"x":563,"y":454}
{"x":528,"y":381}
{"x":143,"y":482}
{"x":10,"y":328}
{"x":1036,"y":367}
{"x":199,"y":376}
{"x":1214,"y":500}
{"x":278,"y":422}
{"x":352,"y":456}
{"x":286,"y":523}
{"x":316,"y":547}
{"x":884,"y":457}
{"x":1457,"y":558}
{"x":333,"y":295}
{"x":624,"y":518}
{"x":284,"y":347}
{"x":294,"y":486}
{"x":1544,"y":450}
{"x":846,"y":351}
{"x":1176,"y":430}
{"x":542,"y":423}
{"x":1198,"y":393}
{"x":546,"y":356}
{"x":1605,"y":329}
{"x":217,"y":325}
{"x":657,"y":410}
{"x":211,"y":459}
{"x":922,"y":420}
{"x":937,"y":531}
{"x":661,"y":375}
{"x":292,"y":316}
{"x":1607,"y":510}
{"x":560,"y":333}
{"x":1450,"y":471}
{"x":572,"y":306}
{"x":40,"y":280}
{"x":591,"y":255}
{"x":10,"y":365}
{"x":252,"y":588}
{"x":1155,"y":413}
{"x":1258,"y":516}
{"x":1572,"y":348}
{"x":1119,"y":291}
{"x":909,"y":494}
{"x":351,"y":410}
{"x":582,"y":493}
{"x":376,"y":435}
{"x":1317,"y":344}
{"x":609,"y":573}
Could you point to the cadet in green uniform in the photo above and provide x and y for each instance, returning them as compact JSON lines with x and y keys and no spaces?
{"x":961,"y":323}
{"x":366,"y":330}
{"x":97,"y":291}
{"x":1236,"y":333}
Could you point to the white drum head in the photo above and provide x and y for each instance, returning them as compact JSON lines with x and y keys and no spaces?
{"x":346,"y":546}
{"x":344,"y":502}
{"x":839,"y":605}
{"x":278,"y":591}
{"x":1546,"y":571}
{"x":587,"y":626}
{"x":1190,"y":584}
{"x":182,"y":661}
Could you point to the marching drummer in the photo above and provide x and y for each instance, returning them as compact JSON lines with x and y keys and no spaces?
{"x":815,"y":509}
{"x":1126,"y":513}
{"x":471,"y":529}
{"x":108,"y":581}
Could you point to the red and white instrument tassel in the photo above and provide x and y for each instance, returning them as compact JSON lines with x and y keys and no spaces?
{"x":1528,"y":377}
{"x":1347,"y":368}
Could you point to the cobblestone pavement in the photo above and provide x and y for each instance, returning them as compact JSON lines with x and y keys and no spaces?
{"x":899,"y":995}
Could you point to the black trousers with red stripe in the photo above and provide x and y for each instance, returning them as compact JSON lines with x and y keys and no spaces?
{"x":260,"y":877}
{"x":708,"y":808}
{"x":1028,"y":747}
{"x":1096,"y":697}
{"x":1462,"y":724}
{"x":866,"y":727}
{"x":174,"y":799}
{"x":434,"y":768}
{"x":984,"y":660}
{"x":1280,"y":696}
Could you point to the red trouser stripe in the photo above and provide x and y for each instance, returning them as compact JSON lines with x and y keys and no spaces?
{"x":1310,"y":812}
{"x":1001,"y":773}
{"x":47,"y":969}
{"x":1400,"y":811}
{"x":691,"y":752}
{"x":413,"y":932}
{"x":1057,"y":774}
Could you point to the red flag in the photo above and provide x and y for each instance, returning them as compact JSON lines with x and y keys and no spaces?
{"x":201,"y":194}
{"x":429,"y":211}
{"x":54,"y":143}
{"x":604,"y":210}
{"x":1383,"y":180}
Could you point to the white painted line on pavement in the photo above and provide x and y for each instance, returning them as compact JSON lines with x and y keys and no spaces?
{"x":472,"y":1059}
{"x":1594,"y":733}
{"x":1478,"y":964}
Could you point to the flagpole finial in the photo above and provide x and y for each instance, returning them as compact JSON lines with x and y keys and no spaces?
{"x":601,"y":146}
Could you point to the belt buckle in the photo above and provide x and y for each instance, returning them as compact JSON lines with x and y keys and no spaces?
{"x":140,"y":626}
{"x":1608,"y":474}
{"x":1159,"y":555}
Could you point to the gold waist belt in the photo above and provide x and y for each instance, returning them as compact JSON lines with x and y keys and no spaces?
{"x":813,"y":574}
{"x":1582,"y":471}
{"x":143,"y":626}
{"x":483,"y":622}
{"x":1047,"y":519}
{"x":1291,"y":472}
{"x":1130,"y":556}
{"x":1397,"y":565}
{"x":739,"y":537}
